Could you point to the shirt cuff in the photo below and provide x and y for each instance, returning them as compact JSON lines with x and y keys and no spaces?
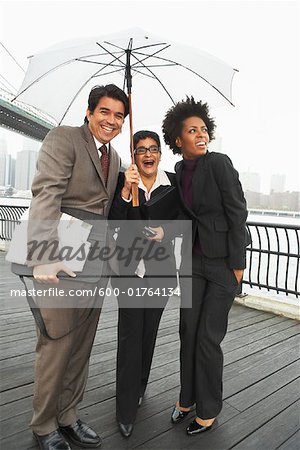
{"x":127,"y":200}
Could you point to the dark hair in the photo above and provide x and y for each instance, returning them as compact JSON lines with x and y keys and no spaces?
{"x":111,"y":91}
{"x":175,"y":116}
{"x":144,"y":134}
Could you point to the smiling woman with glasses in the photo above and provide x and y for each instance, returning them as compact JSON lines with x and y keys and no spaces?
{"x":139,"y":316}
{"x":143,"y":150}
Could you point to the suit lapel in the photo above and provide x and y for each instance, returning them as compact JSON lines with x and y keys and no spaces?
{"x":114,"y":166}
{"x":114,"y":161}
{"x":92,"y":151}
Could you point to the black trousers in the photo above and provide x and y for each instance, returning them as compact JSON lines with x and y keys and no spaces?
{"x":202,"y":329}
{"x":137,"y":331}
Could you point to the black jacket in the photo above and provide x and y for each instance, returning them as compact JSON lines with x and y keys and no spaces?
{"x":219,"y":209}
{"x":131,"y":222}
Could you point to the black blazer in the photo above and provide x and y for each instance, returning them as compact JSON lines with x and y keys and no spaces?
{"x":123,"y":211}
{"x":219,"y":209}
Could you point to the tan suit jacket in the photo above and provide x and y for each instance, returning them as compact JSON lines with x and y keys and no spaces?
{"x":68,"y":175}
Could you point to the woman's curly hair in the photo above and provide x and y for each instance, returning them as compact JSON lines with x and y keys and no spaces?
{"x":173,"y":121}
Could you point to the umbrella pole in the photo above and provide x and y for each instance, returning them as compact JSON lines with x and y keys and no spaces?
{"x":128,"y":77}
{"x":134,"y":186}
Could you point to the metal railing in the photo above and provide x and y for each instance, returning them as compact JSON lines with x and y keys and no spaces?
{"x":9,"y":217}
{"x":273,"y":257}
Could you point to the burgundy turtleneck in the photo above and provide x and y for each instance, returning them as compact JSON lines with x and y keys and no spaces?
{"x":188,"y":169}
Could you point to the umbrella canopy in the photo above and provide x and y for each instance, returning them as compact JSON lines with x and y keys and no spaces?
{"x":157,"y":71}
{"x":163,"y":72}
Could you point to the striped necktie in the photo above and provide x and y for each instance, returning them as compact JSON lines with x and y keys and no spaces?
{"x":104,"y":159}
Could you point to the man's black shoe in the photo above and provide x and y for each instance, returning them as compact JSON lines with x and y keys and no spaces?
{"x":52,"y":441}
{"x":125,"y":430}
{"x":79,"y":433}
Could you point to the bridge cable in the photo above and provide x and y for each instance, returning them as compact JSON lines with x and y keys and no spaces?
{"x":12,"y":57}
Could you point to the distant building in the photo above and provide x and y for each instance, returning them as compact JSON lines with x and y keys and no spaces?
{"x":277,"y":183}
{"x":25,"y":168}
{"x":3,"y":155}
{"x":10,"y":168}
{"x":250,"y":181}
{"x":7,"y":165}
{"x":12,"y":179}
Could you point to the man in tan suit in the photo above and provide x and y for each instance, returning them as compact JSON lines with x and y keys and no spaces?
{"x":78,"y":175}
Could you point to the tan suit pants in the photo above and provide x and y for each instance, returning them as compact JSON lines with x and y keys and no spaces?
{"x":61,"y":366}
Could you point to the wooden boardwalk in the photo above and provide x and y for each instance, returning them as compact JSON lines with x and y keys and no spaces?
{"x":261,"y":382}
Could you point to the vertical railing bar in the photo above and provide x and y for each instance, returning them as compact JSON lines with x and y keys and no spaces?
{"x":251,"y":256}
{"x":297,"y":266}
{"x":278,"y":256}
{"x":288,"y":260}
{"x":259,"y":255}
{"x":269,"y":257}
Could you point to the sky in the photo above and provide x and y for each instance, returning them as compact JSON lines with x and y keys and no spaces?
{"x":259,"y":38}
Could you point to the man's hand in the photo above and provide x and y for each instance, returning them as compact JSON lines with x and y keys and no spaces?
{"x":46,"y":273}
{"x":238,"y":274}
{"x":131,"y":176}
{"x":159,"y":234}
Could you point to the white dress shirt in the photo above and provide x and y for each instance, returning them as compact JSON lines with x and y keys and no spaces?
{"x":99,"y":144}
{"x":161,"y":180}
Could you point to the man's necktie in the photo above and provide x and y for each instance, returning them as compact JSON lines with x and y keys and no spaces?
{"x":104,"y":159}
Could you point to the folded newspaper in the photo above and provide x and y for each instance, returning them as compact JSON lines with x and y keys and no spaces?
{"x":72,"y":232}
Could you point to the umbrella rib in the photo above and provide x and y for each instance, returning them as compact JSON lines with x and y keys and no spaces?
{"x":137,"y":48}
{"x":157,"y":65}
{"x":152,"y":45}
{"x":142,"y":73}
{"x":111,"y":54}
{"x":195,"y":73}
{"x":157,"y":79}
{"x":52,"y":70}
{"x":80,"y":89}
{"x":42,"y":76}
{"x":98,"y":62}
{"x":108,"y":73}
{"x":153,"y":54}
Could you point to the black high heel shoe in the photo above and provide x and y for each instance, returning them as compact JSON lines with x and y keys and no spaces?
{"x":177,"y":415}
{"x":195,"y":428}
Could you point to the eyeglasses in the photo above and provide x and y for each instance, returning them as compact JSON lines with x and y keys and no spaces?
{"x":143,"y":150}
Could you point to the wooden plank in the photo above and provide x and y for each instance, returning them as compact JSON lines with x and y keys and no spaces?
{"x":275,"y":432}
{"x":257,"y":336}
{"x":254,"y":328}
{"x":254,"y":374}
{"x":231,"y":370}
{"x":227,"y":435}
{"x":261,"y":389}
{"x":256,"y":318}
{"x":292,"y":443}
{"x":262,"y":363}
{"x":262,"y":344}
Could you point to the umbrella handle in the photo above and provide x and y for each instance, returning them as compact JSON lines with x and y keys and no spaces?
{"x":135,"y":194}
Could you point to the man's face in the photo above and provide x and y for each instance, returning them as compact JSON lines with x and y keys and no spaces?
{"x":107,"y":119}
